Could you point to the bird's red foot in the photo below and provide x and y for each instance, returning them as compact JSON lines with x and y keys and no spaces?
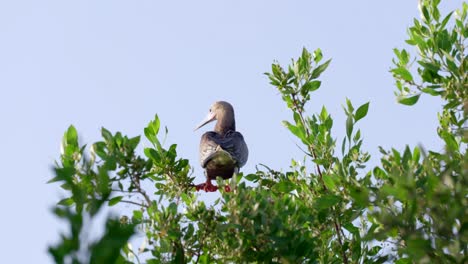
{"x":207,"y":187}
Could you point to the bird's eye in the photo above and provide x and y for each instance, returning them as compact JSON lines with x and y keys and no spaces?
{"x":209,"y":110}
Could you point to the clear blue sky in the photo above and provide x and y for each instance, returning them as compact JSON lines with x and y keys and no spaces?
{"x":117,"y":63}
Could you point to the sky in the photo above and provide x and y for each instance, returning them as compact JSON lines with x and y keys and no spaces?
{"x":116,"y":64}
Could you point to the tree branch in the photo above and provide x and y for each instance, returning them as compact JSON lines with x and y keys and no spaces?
{"x":132,"y":202}
{"x":336,"y":223}
{"x":135,"y":177}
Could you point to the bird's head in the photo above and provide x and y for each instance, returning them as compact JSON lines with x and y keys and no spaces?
{"x":221,"y":111}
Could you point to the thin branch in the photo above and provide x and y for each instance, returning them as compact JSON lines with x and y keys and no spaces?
{"x":201,"y":246}
{"x":135,"y":255}
{"x":338,"y":232}
{"x":131,"y":202}
{"x":135,"y":177}
{"x":123,"y":191}
{"x":311,"y":149}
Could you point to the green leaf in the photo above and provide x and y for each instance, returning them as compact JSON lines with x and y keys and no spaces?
{"x":72,"y":135}
{"x":305,"y":57}
{"x":297,"y":131}
{"x":285,"y":186}
{"x":402,"y":55}
{"x":321,"y":68}
{"x":186,"y":198}
{"x":400,"y":193}
{"x":434,"y":67}
{"x":323,"y":114}
{"x":404,"y":58}
{"x":343,"y":145}
{"x":431,"y":91}
{"x":361,"y":112}
{"x":326,"y":201}
{"x":115,"y":200}
{"x":153,"y":155}
{"x":137,"y":215}
{"x":359,"y":195}
{"x":108,"y":248}
{"x":329,"y":182}
{"x":446,"y":19}
{"x":404,"y":261}
{"x":418,"y":246}
{"x":349,"y":105}
{"x":351,"y":228}
{"x":374,"y":250}
{"x":407,"y":155}
{"x":55,"y":179}
{"x":425,"y":12}
{"x":318,"y":55}
{"x":311,"y":86}
{"x":189,"y":232}
{"x":408,"y":100}
{"x":357,"y":136}
{"x":63,"y":174}
{"x":133,"y":142}
{"x":252,"y":177}
{"x":152,"y":130}
{"x":379,"y":173}
{"x":450,"y":141}
{"x":67,"y":201}
{"x":172,"y":208}
{"x":297,"y":119}
{"x":155,"y":125}
{"x":403,"y":73}
{"x":103,"y":182}
{"x":106,"y":134}
{"x":99,"y":149}
{"x":349,"y":126}
{"x":277,"y":71}
{"x":149,"y":135}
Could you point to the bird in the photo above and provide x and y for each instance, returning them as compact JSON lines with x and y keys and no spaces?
{"x":222,"y":151}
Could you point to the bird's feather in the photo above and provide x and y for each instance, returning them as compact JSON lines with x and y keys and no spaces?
{"x":213,"y":145}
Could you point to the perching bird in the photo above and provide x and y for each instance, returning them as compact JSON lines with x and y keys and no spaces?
{"x":222,"y":151}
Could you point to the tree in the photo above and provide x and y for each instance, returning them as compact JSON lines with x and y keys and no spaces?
{"x":328,"y":208}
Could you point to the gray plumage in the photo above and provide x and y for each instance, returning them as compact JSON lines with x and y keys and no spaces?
{"x":222,"y":155}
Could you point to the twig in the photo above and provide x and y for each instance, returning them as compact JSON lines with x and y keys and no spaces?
{"x":136,"y":180}
{"x":123,"y":191}
{"x":135,"y":255}
{"x":338,"y":230}
{"x":132,"y":202}
{"x":201,"y":246}
{"x":311,"y":149}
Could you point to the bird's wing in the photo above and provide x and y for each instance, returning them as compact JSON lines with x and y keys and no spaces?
{"x":233,"y":143}
{"x":208,"y":145}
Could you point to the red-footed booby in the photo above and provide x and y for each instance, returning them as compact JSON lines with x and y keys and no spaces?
{"x":222,"y":151}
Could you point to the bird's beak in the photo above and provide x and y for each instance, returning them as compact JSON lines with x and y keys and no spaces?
{"x":210,"y":117}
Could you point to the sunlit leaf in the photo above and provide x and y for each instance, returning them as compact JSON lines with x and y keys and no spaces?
{"x":349,"y":126}
{"x":329,"y":182}
{"x":115,"y":200}
{"x":409,"y":100}
{"x":320,"y":69}
{"x":312,"y":85}
{"x":66,"y":201}
{"x":403,"y":73}
{"x":361,"y":112}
